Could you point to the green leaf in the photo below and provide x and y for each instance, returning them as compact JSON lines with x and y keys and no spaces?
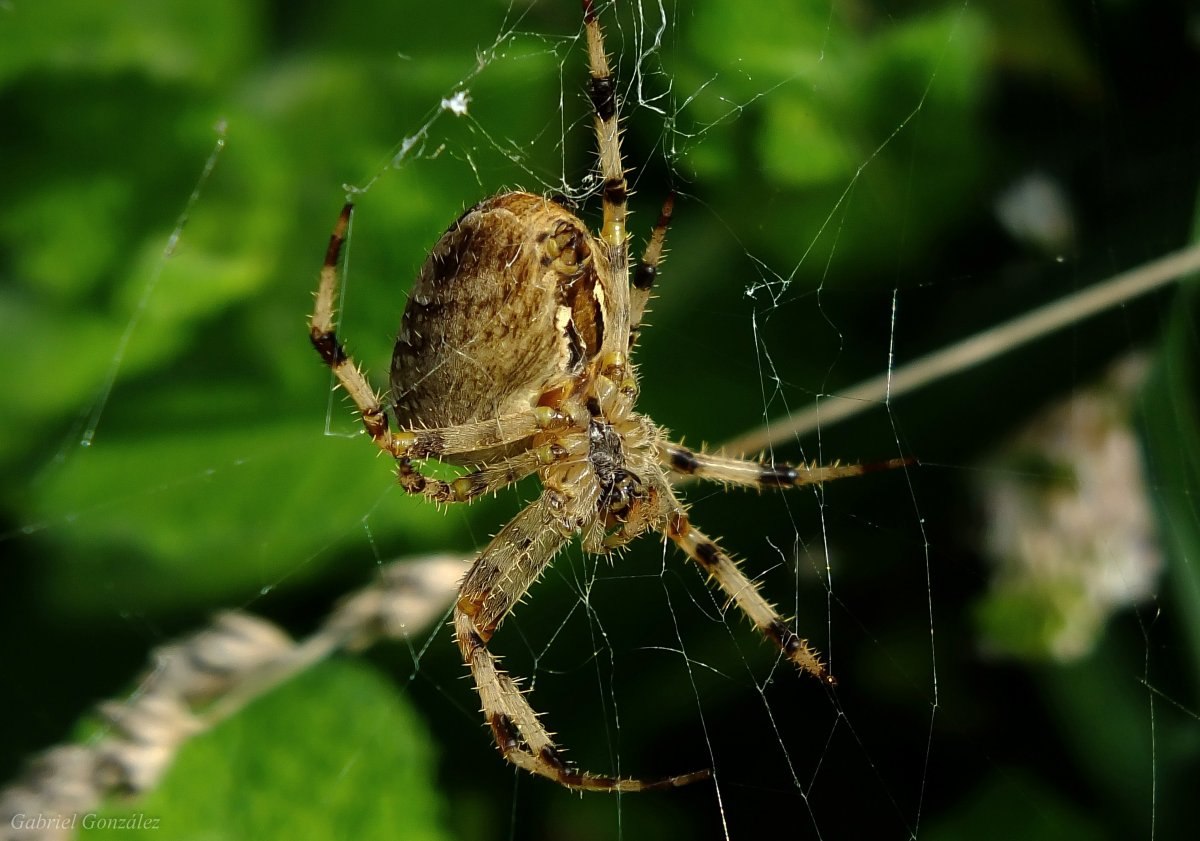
{"x":1011,"y":804}
{"x":168,"y":41}
{"x":1171,"y":404}
{"x":187,"y":514}
{"x":335,"y":753}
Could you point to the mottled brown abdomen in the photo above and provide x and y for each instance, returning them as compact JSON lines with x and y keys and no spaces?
{"x":508,"y":304}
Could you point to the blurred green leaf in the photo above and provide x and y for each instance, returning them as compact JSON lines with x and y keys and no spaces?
{"x":1171,"y":404}
{"x":841,"y":117}
{"x":1026,"y":621}
{"x":196,"y":42}
{"x":335,"y":753}
{"x":1012,"y":805}
{"x":207,"y":519}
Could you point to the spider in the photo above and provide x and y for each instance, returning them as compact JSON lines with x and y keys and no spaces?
{"x":513,"y":359}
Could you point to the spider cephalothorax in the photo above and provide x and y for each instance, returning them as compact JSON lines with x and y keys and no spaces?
{"x":512,"y":360}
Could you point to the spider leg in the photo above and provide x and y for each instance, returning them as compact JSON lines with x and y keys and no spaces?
{"x":483,"y":480}
{"x":603,"y":92}
{"x":456,"y":441}
{"x":501,"y":575}
{"x":481,"y":445}
{"x":325,"y":340}
{"x":754,"y":474}
{"x":457,"y":444}
{"x":647,"y":270}
{"x":744,"y":592}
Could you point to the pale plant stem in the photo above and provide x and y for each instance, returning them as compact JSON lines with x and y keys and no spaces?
{"x":979,"y":348}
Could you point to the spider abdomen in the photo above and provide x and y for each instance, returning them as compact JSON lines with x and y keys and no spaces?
{"x":509,"y":303}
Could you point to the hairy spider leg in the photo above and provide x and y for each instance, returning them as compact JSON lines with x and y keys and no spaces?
{"x":757,"y":474}
{"x":503,"y":572}
{"x":647,"y":270}
{"x":405,"y":445}
{"x":728,"y":575}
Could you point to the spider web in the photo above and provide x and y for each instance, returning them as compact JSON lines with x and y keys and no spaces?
{"x":858,"y":187}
